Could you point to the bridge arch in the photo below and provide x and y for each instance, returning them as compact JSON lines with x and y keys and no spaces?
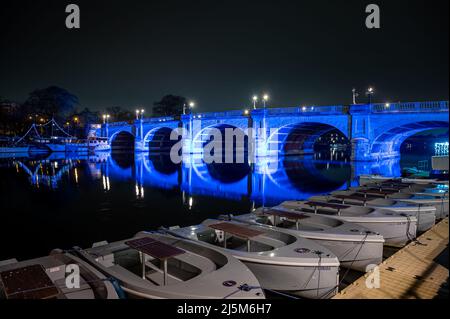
{"x":157,"y":140}
{"x":299,"y":138}
{"x":387,"y":144}
{"x":122,"y":141}
{"x":206,"y":135}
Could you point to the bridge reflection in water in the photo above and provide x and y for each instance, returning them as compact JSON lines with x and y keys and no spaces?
{"x":267,"y":182}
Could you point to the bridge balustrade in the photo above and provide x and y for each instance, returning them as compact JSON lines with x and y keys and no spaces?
{"x":410,"y":107}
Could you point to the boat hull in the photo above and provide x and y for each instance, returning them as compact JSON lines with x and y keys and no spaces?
{"x":355,"y":255}
{"x":395,"y":234}
{"x":297,"y":280}
{"x":353,"y":251}
{"x":441,"y":205}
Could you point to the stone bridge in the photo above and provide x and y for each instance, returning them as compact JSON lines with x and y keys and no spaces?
{"x":375,"y":131}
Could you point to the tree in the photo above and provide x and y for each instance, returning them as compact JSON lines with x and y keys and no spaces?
{"x":51,"y":102}
{"x":169,"y":105}
{"x":119,"y":115}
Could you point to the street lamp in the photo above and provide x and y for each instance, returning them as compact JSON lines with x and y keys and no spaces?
{"x":139,"y":114}
{"x":255,"y":99}
{"x":370,"y":92}
{"x":191,"y":106}
{"x":265,"y":99}
{"x":105,"y":118}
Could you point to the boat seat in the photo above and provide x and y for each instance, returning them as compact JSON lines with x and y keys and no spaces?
{"x":156,"y":275}
{"x":204,"y":264}
{"x":274,"y":243}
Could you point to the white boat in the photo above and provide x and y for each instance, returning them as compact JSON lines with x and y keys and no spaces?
{"x":396,"y":229}
{"x":54,"y":144}
{"x":282,"y":261}
{"x":400,"y":187}
{"x":425,"y":214}
{"x":157,"y":266}
{"x":438,"y":200}
{"x":355,"y":246}
{"x":47,"y":278}
{"x":91,"y":145}
{"x":367,"y":179}
{"x":13,"y":150}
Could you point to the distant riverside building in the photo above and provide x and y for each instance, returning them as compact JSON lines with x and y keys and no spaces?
{"x":7,"y":110}
{"x":8,"y":107}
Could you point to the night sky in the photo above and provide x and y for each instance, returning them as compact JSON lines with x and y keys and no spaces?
{"x":220,"y":53}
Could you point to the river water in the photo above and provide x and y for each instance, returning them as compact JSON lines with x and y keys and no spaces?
{"x":58,"y":201}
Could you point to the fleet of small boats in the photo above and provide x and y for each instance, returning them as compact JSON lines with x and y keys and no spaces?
{"x":425,"y":214}
{"x":296,"y":248}
{"x":368,"y":179}
{"x":356,"y":247}
{"x":438,"y":200}
{"x":396,"y":229}
{"x":281,"y":260}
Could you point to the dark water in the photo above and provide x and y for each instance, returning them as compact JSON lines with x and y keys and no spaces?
{"x":57,"y":201}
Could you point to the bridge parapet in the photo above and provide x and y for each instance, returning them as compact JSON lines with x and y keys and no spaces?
{"x":157,"y":119}
{"x":226,"y":114}
{"x":114,"y":124}
{"x":409,"y":107}
{"x":307,"y":110}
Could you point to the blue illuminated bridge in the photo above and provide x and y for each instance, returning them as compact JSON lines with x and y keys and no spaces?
{"x":376,"y":131}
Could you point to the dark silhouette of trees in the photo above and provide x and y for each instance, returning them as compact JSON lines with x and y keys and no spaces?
{"x":120,"y":115}
{"x":169,"y":105}
{"x":51,"y":102}
{"x":11,"y":117}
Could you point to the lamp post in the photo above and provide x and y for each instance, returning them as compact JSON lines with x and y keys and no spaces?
{"x":370,"y":92}
{"x":105,"y":122}
{"x":355,"y":95}
{"x":265,"y":99}
{"x":191,"y":106}
{"x":140,"y":114}
{"x":255,"y":99}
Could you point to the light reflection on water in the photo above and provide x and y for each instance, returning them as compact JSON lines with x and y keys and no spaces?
{"x":60,"y":201}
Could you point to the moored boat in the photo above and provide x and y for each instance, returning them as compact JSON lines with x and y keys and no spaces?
{"x":46,"y":278}
{"x":438,"y":200}
{"x":367,"y":179}
{"x":355,"y":246}
{"x":425,"y":214}
{"x":13,"y":149}
{"x":396,"y":229}
{"x":282,"y":261}
{"x":156,"y":266}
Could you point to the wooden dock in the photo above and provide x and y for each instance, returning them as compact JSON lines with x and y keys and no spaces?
{"x":417,"y":271}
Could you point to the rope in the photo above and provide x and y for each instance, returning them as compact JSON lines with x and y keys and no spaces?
{"x":356,"y":256}
{"x":318,"y":279}
{"x":52,"y":121}
{"x":348,"y":268}
{"x":33,"y":126}
{"x":411,"y":237}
